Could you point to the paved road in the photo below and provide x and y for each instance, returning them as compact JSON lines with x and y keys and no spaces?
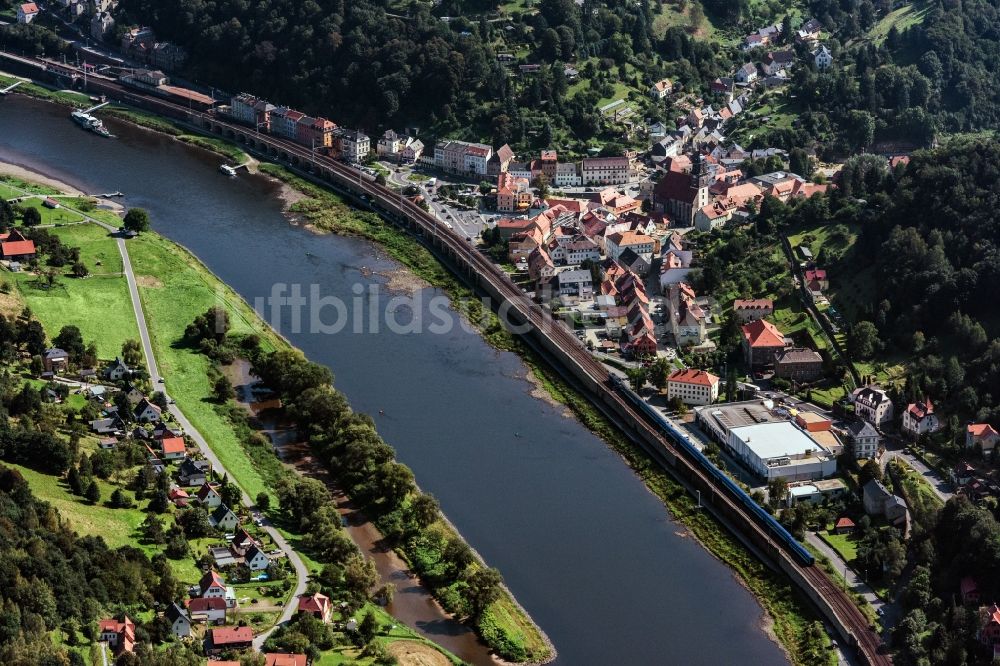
{"x":301,"y":572}
{"x":941,"y":487}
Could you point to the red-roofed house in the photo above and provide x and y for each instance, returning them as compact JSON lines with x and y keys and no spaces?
{"x":119,"y":635}
{"x":660,"y":89}
{"x":173,"y":448}
{"x":276,"y":659}
{"x":207,"y":609}
{"x":179,"y":496}
{"x":981,"y":435}
{"x":209,"y":496}
{"x":761,"y":341}
{"x":919,"y":418}
{"x":228,"y":638}
{"x":818,"y":276}
{"x":693,"y":387}
{"x":513,"y":194}
{"x":317,"y":605}
{"x":17,"y":247}
{"x":27,"y":12}
{"x":212,"y":585}
{"x":844,"y":526}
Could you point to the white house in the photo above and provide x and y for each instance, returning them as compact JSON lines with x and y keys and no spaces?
{"x":822,"y":57}
{"x":117,"y":371}
{"x":746,"y":74}
{"x":660,"y":89}
{"x":27,"y":12}
{"x":147,"y":412}
{"x":223,"y":519}
{"x":256,"y":559}
{"x":208,"y":609}
{"x":208,"y":496}
{"x":212,"y":586}
{"x":180,"y":623}
{"x":693,"y":387}
{"x":873,"y":405}
{"x":864,"y":439}
{"x":920,"y":419}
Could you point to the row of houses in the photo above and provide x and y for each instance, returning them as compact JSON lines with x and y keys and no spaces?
{"x":316,"y":132}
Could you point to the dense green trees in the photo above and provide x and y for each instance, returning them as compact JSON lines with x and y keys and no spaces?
{"x":136,"y":220}
{"x":52,"y":578}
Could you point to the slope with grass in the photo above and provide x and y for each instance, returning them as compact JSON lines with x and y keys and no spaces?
{"x":175,"y":288}
{"x":98,"y":305}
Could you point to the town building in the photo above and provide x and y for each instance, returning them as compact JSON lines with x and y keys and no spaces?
{"x":822,"y":57}
{"x":798,"y":364}
{"x":55,"y":360}
{"x":605,"y":170}
{"x":180,"y":623}
{"x":354,"y":145}
{"x":815,"y":492}
{"x":256,"y":559}
{"x":982,"y":436}
{"x":102,"y":24}
{"x":872,"y":404}
{"x":223,"y":639}
{"x":686,"y":319}
{"x":641,"y":244}
{"x":211,"y":610}
{"x":568,"y":174}
{"x":746,"y":74}
{"x":864,"y":439}
{"x":172,"y":448}
{"x":118,"y":634}
{"x":660,"y":89}
{"x":26,"y":13}
{"x":765,"y":440}
{"x":462,"y":157}
{"x":317,"y":605}
{"x":513,"y":194}
{"x":920,"y":419}
{"x":193,"y":472}
{"x":693,"y":387}
{"x":579,"y":283}
{"x":761,"y":342}
{"x":680,"y":194}
{"x":15,"y":247}
{"x":880,"y":502}
{"x":748,"y":310}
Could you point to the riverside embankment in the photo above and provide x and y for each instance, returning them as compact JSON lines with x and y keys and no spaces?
{"x":585,"y":548}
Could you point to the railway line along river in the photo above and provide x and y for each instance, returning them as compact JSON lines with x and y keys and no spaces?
{"x":584,"y":547}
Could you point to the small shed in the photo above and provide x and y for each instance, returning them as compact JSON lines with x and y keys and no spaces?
{"x":844,"y":526}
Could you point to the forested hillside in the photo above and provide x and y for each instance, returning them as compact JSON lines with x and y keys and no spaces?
{"x":934,"y":248}
{"x":369,"y":65}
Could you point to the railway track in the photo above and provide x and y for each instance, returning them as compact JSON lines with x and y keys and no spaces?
{"x":867,"y":639}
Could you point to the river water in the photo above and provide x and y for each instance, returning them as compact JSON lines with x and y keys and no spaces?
{"x":588,"y":551}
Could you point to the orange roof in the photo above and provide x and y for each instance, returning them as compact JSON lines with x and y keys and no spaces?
{"x":762,"y":333}
{"x":29,"y":8}
{"x":981,"y":430}
{"x":753,"y":304}
{"x":314,"y":603}
{"x":172,"y":445}
{"x":230,"y":635}
{"x":845,"y":522}
{"x":693,"y":376}
{"x":274,"y":659}
{"x":921,"y":409}
{"x":17,"y":248}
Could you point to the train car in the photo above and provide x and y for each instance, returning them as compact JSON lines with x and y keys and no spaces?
{"x":683,"y":441}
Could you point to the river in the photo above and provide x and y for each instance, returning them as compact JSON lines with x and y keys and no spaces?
{"x":586,"y":549}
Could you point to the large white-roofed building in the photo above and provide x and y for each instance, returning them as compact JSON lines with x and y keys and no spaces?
{"x":773,"y":450}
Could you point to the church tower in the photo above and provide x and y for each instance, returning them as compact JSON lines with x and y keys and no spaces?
{"x":700,"y":181}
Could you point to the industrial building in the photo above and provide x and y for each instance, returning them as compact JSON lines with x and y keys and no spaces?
{"x":766,"y":441}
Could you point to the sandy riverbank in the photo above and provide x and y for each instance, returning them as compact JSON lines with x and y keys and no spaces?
{"x":24,"y":173}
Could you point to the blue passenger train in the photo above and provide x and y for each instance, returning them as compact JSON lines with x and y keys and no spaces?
{"x":682,"y":441}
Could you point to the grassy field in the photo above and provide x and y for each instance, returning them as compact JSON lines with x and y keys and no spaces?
{"x":831,"y":236}
{"x":35,"y":90}
{"x":11,"y":186}
{"x":52,"y":216}
{"x":98,"y":305}
{"x":175,"y":288}
{"x":902,"y":18}
{"x":846,"y":545}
